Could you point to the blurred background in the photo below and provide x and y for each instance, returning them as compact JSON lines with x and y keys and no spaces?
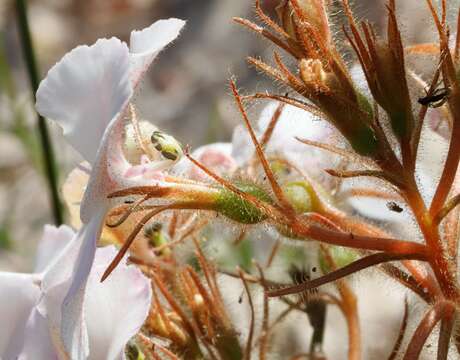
{"x":184,"y":94}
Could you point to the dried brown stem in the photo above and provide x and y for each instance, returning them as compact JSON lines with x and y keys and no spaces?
{"x":446,"y":209}
{"x":354,"y":267}
{"x":424,"y":329}
{"x":445,"y":334}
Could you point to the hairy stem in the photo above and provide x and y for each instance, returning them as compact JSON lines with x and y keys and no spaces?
{"x":424,"y":329}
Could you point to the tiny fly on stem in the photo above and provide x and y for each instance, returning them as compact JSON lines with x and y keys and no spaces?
{"x":437,"y":99}
{"x":394,"y":207}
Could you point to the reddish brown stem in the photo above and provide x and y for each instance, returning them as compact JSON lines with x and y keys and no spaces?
{"x":424,"y":329}
{"x":121,"y":253}
{"x":445,"y":333}
{"x":437,"y":259}
{"x":354,"y":267}
{"x":359,"y":242}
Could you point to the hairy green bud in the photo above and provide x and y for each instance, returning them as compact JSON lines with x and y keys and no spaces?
{"x":238,"y":209}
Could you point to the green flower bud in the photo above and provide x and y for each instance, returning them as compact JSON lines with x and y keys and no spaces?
{"x":156,"y":237}
{"x":133,"y":352}
{"x":238,"y":209}
{"x":301,"y":196}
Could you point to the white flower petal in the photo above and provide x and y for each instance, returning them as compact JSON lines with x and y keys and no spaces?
{"x":52,"y":243}
{"x":85,"y":91}
{"x":108,"y":171}
{"x":293,"y":122}
{"x":242,"y":147}
{"x":72,"y":329}
{"x":146,"y":44}
{"x":376,"y":208}
{"x":18,"y":295}
{"x":67,"y":277}
{"x":116,"y":309}
{"x":37,"y":344}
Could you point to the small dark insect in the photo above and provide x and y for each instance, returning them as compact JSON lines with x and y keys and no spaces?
{"x":394,"y":207}
{"x":437,"y":99}
{"x":313,"y":269}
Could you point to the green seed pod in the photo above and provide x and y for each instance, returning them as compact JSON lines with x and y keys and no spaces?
{"x":342,"y":257}
{"x":238,"y":209}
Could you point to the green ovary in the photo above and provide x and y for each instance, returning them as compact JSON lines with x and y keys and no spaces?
{"x":238,"y":209}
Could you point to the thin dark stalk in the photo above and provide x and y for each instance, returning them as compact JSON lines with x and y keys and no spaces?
{"x":402,"y":331}
{"x":47,"y":147}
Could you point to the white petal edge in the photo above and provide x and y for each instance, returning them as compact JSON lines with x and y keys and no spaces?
{"x":155,"y":37}
{"x":109,"y":329}
{"x":146,"y":44}
{"x":18,"y":295}
{"x":37,"y":344}
{"x":53,"y":241}
{"x":85,"y":90}
{"x":72,"y":328}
